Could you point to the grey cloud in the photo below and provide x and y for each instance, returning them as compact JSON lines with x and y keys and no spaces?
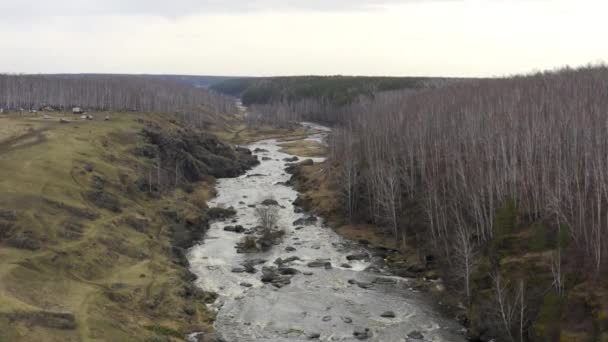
{"x":24,"y":8}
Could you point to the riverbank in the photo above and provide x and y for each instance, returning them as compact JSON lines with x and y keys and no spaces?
{"x":524,"y":250}
{"x":311,"y":284}
{"x":94,"y":222}
{"x":319,"y":195}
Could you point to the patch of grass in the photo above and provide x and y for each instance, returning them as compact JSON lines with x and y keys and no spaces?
{"x":112,"y":270}
{"x":546,"y":326}
{"x":235,"y":131}
{"x":540,"y":238}
{"x":304,"y":148}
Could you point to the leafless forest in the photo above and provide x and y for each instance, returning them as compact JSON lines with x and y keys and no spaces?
{"x":466,"y":150}
{"x":109,"y":93}
{"x":452,"y":169}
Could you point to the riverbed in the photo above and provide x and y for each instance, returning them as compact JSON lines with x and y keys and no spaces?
{"x":335,"y":300}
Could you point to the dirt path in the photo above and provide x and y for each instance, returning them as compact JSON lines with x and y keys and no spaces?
{"x":28,"y":139}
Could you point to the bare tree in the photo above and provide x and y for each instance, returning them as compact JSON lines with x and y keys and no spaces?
{"x":268,"y":216}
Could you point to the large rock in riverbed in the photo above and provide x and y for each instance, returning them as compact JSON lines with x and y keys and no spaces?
{"x":415,"y":335}
{"x":235,"y":229}
{"x":362,"y":333}
{"x":388,"y":314}
{"x":269,"y":202}
{"x":319,"y":263}
{"x":206,"y":154}
{"x":306,"y":221}
{"x":218,"y":213}
{"x":291,"y":160}
{"x":358,"y":257}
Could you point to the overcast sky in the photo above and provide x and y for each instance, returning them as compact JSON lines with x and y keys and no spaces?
{"x":288,"y":37}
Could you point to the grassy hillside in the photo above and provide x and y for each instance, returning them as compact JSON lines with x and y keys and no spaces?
{"x":87,"y":255}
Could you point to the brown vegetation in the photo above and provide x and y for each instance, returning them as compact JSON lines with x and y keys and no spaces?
{"x":502,"y":181}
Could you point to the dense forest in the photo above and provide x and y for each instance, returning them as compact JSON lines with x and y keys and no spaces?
{"x":503,"y":181}
{"x":109,"y":93}
{"x":335,"y":90}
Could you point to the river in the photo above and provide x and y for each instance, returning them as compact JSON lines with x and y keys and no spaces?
{"x":344,"y":302}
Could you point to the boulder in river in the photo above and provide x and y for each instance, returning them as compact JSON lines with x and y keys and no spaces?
{"x":313,"y":336}
{"x":269,"y":202}
{"x":388,"y":314}
{"x":385,"y":281}
{"x":254,"y":262}
{"x":358,"y":257}
{"x":290,"y":259}
{"x":273,"y":276}
{"x":362,"y":333}
{"x":306,"y":221}
{"x":318,"y":263}
{"x":249,"y":269}
{"x":372,"y":269}
{"x":281,"y":281}
{"x":288,"y":271}
{"x":238,"y":270}
{"x":234,"y":229}
{"x":281,"y":261}
{"x":361,"y":284}
{"x":218,"y":213}
{"x":290,"y":249}
{"x":415,"y":335}
{"x":269,"y":274}
{"x":347,"y":320}
{"x":291,"y":160}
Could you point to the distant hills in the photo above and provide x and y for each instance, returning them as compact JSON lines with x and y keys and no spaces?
{"x":336,"y":90}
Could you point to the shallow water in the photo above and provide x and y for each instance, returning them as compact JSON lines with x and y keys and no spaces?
{"x":323,"y":303}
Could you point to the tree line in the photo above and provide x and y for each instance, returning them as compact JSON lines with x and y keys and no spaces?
{"x":336,"y":90}
{"x":110,"y":93}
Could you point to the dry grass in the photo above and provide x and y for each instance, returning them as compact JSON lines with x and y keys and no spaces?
{"x":11,"y":128}
{"x":372,"y":234}
{"x":304,"y":148}
{"x":113,"y":279}
{"x":234,"y":130}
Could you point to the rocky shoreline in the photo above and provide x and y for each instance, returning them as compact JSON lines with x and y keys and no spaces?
{"x":309,"y":284}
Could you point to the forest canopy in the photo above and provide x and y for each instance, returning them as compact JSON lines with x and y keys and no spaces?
{"x":336,"y":90}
